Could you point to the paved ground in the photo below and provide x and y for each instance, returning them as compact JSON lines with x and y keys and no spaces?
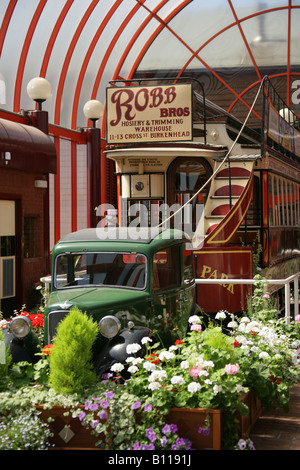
{"x":278,"y":430}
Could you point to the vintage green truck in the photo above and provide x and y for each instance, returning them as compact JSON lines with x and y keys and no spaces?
{"x":133,"y":285}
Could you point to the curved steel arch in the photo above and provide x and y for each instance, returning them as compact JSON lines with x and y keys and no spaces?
{"x":24,"y":53}
{"x":129,"y":47}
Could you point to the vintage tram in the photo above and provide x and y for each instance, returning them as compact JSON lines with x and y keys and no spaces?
{"x":233,"y":186}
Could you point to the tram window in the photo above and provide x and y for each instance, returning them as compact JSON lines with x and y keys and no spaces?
{"x":141,"y":213}
{"x":271,"y":206}
{"x":283,"y":202}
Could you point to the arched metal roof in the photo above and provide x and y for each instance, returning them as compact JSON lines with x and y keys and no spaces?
{"x":80,"y":45}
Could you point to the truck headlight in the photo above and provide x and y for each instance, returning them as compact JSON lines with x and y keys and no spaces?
{"x":20,"y":326}
{"x":109,"y":326}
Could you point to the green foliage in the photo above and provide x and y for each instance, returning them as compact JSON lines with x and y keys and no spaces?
{"x":24,"y":373}
{"x":71,"y":368}
{"x":23,"y":430}
{"x":5,"y":361}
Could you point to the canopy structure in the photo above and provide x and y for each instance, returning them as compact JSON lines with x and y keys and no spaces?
{"x":81,"y":45}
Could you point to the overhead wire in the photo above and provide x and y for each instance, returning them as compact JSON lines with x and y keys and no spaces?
{"x":221,"y":164}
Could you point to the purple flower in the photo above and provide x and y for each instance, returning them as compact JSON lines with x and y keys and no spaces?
{"x":166,"y":429}
{"x":136,"y":405}
{"x":109,"y":395}
{"x":136,"y":446}
{"x":206,"y":432}
{"x":94,"y":423}
{"x":87,"y":405}
{"x":82,"y":415}
{"x":94,"y":406}
{"x":188,"y":444}
{"x":163,"y":441}
{"x":104,"y":404}
{"x":180,"y":441}
{"x":151,"y":434}
{"x":148,"y":407}
{"x":174,"y":428}
{"x":103,"y":414}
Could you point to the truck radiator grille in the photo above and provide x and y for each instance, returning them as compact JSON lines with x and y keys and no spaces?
{"x":53,"y":320}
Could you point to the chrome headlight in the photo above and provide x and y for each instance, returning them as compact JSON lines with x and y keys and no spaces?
{"x":20,"y":326}
{"x":109,"y":326}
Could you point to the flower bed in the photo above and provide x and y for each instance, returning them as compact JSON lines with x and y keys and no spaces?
{"x":212,"y":368}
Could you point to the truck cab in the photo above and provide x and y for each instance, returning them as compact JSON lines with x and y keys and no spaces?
{"x":133,"y":284}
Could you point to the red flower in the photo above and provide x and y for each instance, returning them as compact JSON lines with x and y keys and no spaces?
{"x":178,"y":342}
{"x":37,"y":320}
{"x":235,"y":344}
{"x":47,"y":349}
{"x":274,"y":379}
{"x":153,"y":358}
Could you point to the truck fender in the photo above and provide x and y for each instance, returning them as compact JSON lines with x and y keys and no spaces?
{"x":21,"y":349}
{"x":115,"y":350}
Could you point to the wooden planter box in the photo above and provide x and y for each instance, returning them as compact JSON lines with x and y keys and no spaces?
{"x":189,"y":421}
{"x":69,"y":433}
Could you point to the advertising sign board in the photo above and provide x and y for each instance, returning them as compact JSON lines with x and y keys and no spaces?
{"x":149,"y":114}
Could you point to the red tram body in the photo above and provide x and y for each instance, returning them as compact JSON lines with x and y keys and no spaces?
{"x":233,"y":186}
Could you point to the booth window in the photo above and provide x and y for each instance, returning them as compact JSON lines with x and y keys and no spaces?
{"x":30,"y":237}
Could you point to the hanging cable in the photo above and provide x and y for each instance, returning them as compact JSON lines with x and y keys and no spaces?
{"x":222,"y":162}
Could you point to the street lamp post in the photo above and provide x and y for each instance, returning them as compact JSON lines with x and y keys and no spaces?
{"x":93,"y":110}
{"x":39,"y":90}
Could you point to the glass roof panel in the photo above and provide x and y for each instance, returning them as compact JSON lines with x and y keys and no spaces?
{"x":80,"y":45}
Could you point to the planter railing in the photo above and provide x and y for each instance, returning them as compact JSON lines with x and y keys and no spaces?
{"x":282,"y":282}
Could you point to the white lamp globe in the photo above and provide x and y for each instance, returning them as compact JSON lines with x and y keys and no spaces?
{"x":93,"y":110}
{"x":39,"y":89}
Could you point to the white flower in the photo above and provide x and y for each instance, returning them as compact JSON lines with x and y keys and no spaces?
{"x":184,"y":365}
{"x":157,"y":375}
{"x":208,"y":364}
{"x":146,"y":340}
{"x":166,"y":356}
{"x":232,"y":324}
{"x":217,"y":389}
{"x":133,"y":369}
{"x":117,"y":367}
{"x":149,"y":366}
{"x":263,"y":355}
{"x":194,"y":387}
{"x":220,"y":315}
{"x":203,"y":373}
{"x":208,"y":382}
{"x":245,"y":320}
{"x":194,"y":319}
{"x":133,"y":348}
{"x":177,"y":380}
{"x":154,"y":386}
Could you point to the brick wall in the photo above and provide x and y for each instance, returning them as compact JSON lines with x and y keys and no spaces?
{"x":19,"y":185}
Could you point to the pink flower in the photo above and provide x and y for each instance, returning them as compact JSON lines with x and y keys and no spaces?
{"x":297,"y":318}
{"x":196,"y":327}
{"x":194,"y":372}
{"x":232,"y":369}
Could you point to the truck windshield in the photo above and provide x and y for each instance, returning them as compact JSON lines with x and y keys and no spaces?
{"x":109,"y":269}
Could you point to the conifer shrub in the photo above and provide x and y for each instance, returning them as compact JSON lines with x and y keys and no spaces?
{"x":71,"y":365}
